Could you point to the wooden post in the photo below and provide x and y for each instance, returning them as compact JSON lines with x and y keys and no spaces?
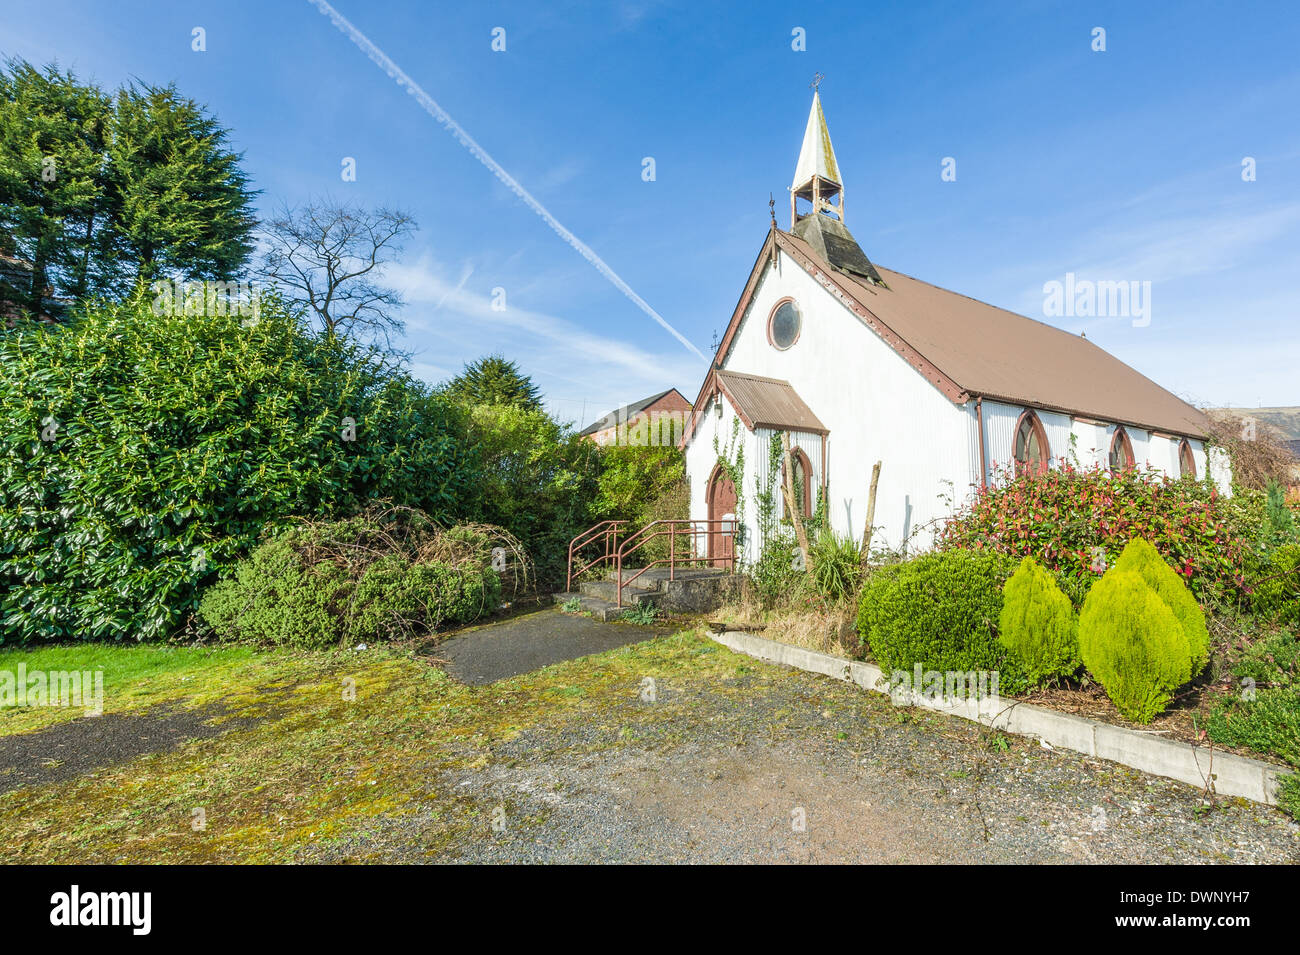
{"x":795,"y":517}
{"x":871,"y":515}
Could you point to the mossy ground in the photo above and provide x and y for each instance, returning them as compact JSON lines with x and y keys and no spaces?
{"x":304,"y":766}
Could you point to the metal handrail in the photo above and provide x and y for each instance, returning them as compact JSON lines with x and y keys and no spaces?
{"x":673,"y":530}
{"x":607,"y":529}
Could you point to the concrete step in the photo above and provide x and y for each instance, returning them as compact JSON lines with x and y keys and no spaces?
{"x":692,"y":590}
{"x":657,"y":575}
{"x":598,"y":608}
{"x":608,"y":590}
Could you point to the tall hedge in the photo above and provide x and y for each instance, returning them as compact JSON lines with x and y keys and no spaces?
{"x":143,"y":453}
{"x":539,"y":481}
{"x":1076,"y":521}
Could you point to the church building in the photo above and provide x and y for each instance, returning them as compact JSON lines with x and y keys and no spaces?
{"x":859,"y":364}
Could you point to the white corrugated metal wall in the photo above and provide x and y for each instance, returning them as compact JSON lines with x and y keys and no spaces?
{"x":877,"y":407}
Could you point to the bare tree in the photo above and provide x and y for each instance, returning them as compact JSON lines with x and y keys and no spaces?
{"x":326,"y":258}
{"x":1256,"y":449}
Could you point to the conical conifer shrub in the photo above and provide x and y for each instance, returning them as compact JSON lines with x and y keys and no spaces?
{"x":1038,"y":623}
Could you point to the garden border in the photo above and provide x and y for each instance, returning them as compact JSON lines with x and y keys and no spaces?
{"x":1226,"y":773}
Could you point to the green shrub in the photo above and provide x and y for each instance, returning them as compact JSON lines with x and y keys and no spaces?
{"x":173,"y":440}
{"x":1279,"y":524}
{"x":539,"y":481}
{"x":348,"y":582}
{"x":1038,"y":624}
{"x":1271,"y":661}
{"x":1276,"y":593}
{"x":1267,"y":721}
{"x":1244,"y":513}
{"x":632,"y":477}
{"x":1288,"y":795}
{"x":1142,"y":558}
{"x":1133,"y":644}
{"x":940,"y":611}
{"x":673,"y":503}
{"x":777,"y":574}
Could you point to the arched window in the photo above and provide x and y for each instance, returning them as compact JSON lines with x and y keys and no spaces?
{"x":1186,"y":460}
{"x":803,"y":482}
{"x":1031,"y":451}
{"x":784,"y":324}
{"x":1121,"y":451}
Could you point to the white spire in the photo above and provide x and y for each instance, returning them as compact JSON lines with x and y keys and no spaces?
{"x":817,"y":156}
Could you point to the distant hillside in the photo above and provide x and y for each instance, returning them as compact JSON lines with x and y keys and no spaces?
{"x":1285,"y":420}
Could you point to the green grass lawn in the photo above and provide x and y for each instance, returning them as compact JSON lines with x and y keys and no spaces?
{"x":140,"y":675}
{"x":305,"y":765}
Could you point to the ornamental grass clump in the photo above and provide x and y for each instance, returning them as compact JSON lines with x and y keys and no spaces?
{"x":1135,"y":644}
{"x":1038,"y":624}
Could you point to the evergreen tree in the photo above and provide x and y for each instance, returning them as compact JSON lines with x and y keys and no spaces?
{"x":1279,"y":523}
{"x":493,"y":380}
{"x":181,"y":203}
{"x":52,"y":143}
{"x":99,"y":191}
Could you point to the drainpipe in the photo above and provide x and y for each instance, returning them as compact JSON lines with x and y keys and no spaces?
{"x":979,"y":416}
{"x":824,"y":472}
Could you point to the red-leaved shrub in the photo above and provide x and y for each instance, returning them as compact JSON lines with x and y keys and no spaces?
{"x":1076,"y":521}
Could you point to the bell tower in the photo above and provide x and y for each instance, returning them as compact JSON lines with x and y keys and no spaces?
{"x":816,"y":174}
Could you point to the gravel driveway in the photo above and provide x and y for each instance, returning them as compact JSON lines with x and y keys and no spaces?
{"x":781,"y":766}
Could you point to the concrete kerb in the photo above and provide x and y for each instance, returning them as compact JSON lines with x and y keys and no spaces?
{"x":1225,"y":773}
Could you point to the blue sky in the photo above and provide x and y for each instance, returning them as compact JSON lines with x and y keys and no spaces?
{"x":1116,"y":165}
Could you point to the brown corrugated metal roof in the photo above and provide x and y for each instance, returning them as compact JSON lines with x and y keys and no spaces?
{"x":992,"y":352}
{"x":768,"y":403}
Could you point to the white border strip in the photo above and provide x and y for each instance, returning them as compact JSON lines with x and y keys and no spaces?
{"x":1226,"y":773}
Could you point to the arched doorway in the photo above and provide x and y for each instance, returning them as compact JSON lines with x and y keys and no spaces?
{"x":722,"y":507}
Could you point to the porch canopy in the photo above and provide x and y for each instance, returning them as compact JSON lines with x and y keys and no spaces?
{"x":768,"y":403}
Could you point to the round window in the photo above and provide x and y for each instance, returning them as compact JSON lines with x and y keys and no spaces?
{"x":783,"y":326}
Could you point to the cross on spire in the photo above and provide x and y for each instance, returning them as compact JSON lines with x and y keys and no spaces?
{"x":817,"y":81}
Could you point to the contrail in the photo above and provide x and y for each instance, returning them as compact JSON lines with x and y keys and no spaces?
{"x":441,"y":115}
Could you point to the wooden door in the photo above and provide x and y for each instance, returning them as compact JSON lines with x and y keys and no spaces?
{"x":722,"y":507}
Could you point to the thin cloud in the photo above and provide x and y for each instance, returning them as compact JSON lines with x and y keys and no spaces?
{"x":561,"y":350}
{"x":431,"y":107}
